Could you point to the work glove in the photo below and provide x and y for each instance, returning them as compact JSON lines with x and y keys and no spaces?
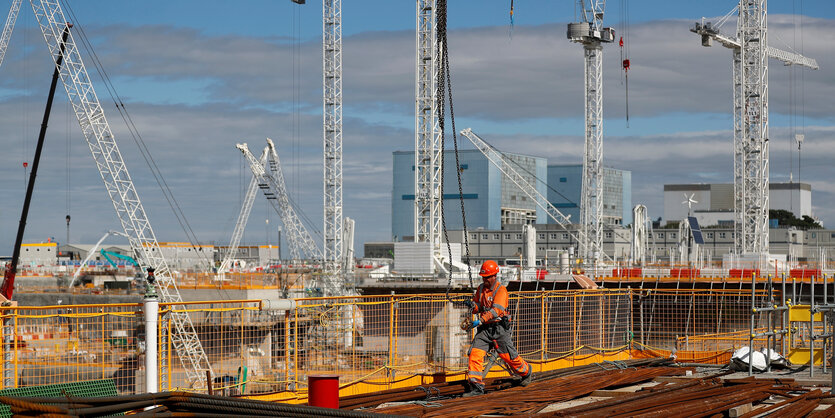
{"x":468,"y":323}
{"x":469,"y":303}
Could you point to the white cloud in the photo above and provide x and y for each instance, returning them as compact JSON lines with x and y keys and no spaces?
{"x":247,"y":92}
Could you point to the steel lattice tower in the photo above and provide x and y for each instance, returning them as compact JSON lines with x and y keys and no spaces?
{"x":428,"y":173}
{"x":332,"y":81}
{"x":751,"y":130}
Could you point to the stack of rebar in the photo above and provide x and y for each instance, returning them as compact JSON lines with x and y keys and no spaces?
{"x":532,"y":399}
{"x":709,"y":397}
{"x":453,"y":389}
{"x":166,"y":404}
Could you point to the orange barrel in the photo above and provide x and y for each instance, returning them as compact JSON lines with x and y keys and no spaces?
{"x":323,"y":390}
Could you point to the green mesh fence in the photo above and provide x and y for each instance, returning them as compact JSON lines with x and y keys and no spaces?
{"x":90,"y":388}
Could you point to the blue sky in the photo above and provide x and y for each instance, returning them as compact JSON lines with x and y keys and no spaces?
{"x":199,"y":76}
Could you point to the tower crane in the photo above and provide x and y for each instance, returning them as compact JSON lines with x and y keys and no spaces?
{"x":750,"y":86}
{"x":243,"y":218}
{"x":589,"y":32}
{"x":498,"y":159}
{"x":428,"y":152}
{"x":120,"y":188}
{"x":332,"y":79}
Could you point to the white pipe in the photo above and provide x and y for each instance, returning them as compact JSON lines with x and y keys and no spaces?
{"x":151,"y":361}
{"x":278,"y":304}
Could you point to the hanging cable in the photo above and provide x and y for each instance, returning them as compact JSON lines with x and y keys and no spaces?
{"x":624,"y":50}
{"x":445,"y":87}
{"x":137,"y":137}
{"x":68,"y":161}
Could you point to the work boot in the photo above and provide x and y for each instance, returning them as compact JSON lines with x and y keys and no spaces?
{"x":475,"y":390}
{"x":526,"y":379}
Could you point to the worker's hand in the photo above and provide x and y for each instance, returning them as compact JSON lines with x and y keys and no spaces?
{"x":475,"y":323}
{"x":469,"y":303}
{"x":466,"y":323}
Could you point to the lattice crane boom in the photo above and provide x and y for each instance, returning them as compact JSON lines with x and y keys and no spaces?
{"x":332,"y":80}
{"x":589,"y":32}
{"x":499,"y":160}
{"x":271,"y":182}
{"x":8,"y":28}
{"x":119,"y":185}
{"x":243,"y":218}
{"x":709,"y":34}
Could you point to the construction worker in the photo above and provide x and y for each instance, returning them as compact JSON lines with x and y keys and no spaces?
{"x":492,"y":321}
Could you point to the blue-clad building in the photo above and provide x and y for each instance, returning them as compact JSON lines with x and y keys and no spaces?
{"x":490,"y":200}
{"x":565,"y":182}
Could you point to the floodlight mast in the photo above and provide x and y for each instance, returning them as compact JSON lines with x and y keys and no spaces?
{"x":589,"y":32}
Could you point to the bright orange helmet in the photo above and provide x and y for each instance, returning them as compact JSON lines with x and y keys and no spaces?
{"x":489,"y":268}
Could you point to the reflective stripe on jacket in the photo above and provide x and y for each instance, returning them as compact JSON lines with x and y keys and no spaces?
{"x":490,"y":303}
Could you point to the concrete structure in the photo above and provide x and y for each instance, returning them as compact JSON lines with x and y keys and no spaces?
{"x":565,"y":182}
{"x":490,"y":200}
{"x":38,"y":254}
{"x":715,"y":202}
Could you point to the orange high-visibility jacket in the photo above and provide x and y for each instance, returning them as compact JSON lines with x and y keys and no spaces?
{"x":490,"y":303}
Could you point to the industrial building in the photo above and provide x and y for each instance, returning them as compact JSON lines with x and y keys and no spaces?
{"x":713,"y":204}
{"x":490,"y":199}
{"x":565,"y":183}
{"x":493,"y":202}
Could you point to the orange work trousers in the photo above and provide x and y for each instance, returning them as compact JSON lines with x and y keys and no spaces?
{"x":482,"y":342}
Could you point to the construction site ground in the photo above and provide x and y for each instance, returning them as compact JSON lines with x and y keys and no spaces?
{"x":648,"y":388}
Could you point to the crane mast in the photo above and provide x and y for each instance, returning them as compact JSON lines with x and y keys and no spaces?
{"x":751,"y":152}
{"x":428,"y":173}
{"x":119,"y":185}
{"x":589,"y":32}
{"x":332,"y":79}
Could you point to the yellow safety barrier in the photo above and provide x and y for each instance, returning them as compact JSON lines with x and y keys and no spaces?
{"x":372,"y":342}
